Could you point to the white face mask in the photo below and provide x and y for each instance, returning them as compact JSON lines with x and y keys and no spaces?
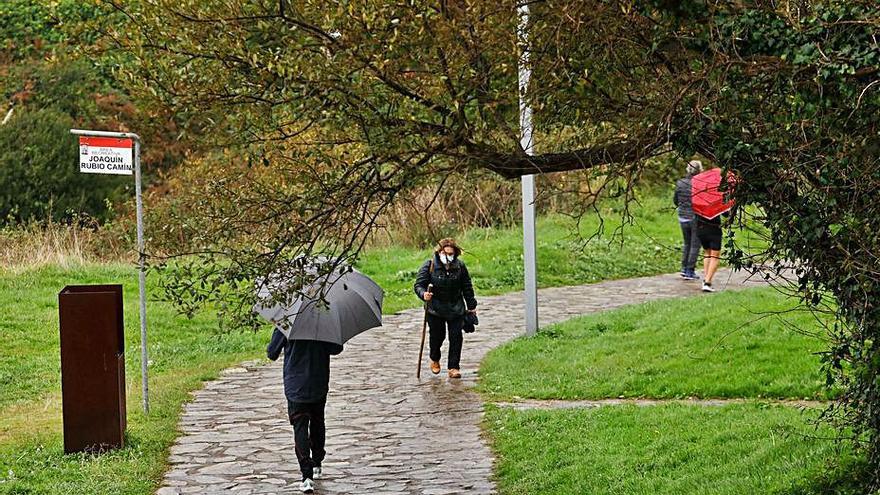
{"x":446,"y":258}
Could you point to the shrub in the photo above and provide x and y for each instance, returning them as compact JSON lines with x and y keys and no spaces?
{"x":39,"y":172}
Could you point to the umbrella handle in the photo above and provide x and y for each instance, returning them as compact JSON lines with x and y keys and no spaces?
{"x":424,"y":330}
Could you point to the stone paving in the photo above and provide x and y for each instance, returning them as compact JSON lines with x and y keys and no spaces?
{"x":387,"y":432}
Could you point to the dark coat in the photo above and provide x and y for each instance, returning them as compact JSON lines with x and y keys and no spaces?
{"x":453,"y":290}
{"x":682,"y":198}
{"x":306,"y":366}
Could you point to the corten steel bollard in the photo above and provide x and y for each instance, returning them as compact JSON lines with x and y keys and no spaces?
{"x":92,"y":367}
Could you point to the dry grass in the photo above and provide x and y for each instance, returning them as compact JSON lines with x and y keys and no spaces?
{"x":39,"y":244}
{"x":422,"y":216}
{"x":471,"y":200}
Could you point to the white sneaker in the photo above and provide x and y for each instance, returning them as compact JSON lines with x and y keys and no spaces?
{"x":317,"y":472}
{"x":307,"y":486}
{"x":707,"y":287}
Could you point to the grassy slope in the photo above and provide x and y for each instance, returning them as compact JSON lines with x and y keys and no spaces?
{"x":707,"y":346}
{"x":184,"y":353}
{"x":687,"y":347}
{"x":187,"y":352}
{"x":662,"y":450}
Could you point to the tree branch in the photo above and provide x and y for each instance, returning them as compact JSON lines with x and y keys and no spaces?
{"x":515,"y":165}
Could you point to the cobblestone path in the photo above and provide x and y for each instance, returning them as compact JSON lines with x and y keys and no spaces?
{"x":387,"y":433}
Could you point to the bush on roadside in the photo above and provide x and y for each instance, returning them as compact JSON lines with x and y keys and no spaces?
{"x":40,"y":178}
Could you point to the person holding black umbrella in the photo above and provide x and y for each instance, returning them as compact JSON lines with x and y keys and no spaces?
{"x":308,"y":330}
{"x":447,"y":304}
{"x":306,"y":383}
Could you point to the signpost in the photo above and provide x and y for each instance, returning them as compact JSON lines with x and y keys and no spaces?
{"x":119,"y":153}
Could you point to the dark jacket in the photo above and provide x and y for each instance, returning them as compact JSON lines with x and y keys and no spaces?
{"x":453,"y":290}
{"x":682,"y":198}
{"x":306,"y":366}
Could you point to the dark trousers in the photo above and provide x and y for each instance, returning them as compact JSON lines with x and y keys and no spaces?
{"x":438,"y":327}
{"x":691,"y":247}
{"x":309,"y":433}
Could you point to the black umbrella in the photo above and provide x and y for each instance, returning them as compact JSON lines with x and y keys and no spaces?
{"x":351,"y":304}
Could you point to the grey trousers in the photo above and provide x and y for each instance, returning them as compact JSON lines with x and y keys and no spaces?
{"x":690,"y":249}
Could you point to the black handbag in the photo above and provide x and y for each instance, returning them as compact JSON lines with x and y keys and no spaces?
{"x":470,"y":322}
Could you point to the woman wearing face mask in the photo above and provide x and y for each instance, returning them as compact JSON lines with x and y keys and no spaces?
{"x":450,"y":298}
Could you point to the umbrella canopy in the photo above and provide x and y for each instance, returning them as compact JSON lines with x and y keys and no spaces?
{"x":352,"y":304}
{"x":706,"y":199}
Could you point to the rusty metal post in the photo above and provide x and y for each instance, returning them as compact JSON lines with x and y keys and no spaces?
{"x":92,"y":367}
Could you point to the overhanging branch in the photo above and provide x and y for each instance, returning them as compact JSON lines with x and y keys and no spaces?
{"x":511,"y":166}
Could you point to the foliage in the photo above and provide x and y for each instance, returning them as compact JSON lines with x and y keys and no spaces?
{"x":794,"y":110}
{"x":351,"y":122}
{"x":29,"y":28}
{"x":358,"y":107}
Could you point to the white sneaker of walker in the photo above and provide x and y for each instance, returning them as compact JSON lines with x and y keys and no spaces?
{"x":307,"y":486}
{"x":317,"y":472}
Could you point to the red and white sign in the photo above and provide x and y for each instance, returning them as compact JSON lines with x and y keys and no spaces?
{"x":105,"y":155}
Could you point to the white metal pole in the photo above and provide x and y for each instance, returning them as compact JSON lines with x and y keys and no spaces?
{"x":86,"y":132}
{"x":142,"y":278}
{"x":528,"y":181}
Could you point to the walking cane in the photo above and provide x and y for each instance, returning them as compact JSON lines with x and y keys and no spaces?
{"x":424,"y":329}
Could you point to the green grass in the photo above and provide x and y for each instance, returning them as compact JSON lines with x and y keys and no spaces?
{"x":184,"y":353}
{"x":708,"y":346}
{"x":494,"y":256}
{"x":658,"y":450}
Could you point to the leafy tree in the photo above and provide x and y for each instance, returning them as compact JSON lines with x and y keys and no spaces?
{"x":39,"y":176}
{"x":352,"y":102}
{"x":795,"y":110}
{"x":29,"y":27}
{"x":41,"y":75}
